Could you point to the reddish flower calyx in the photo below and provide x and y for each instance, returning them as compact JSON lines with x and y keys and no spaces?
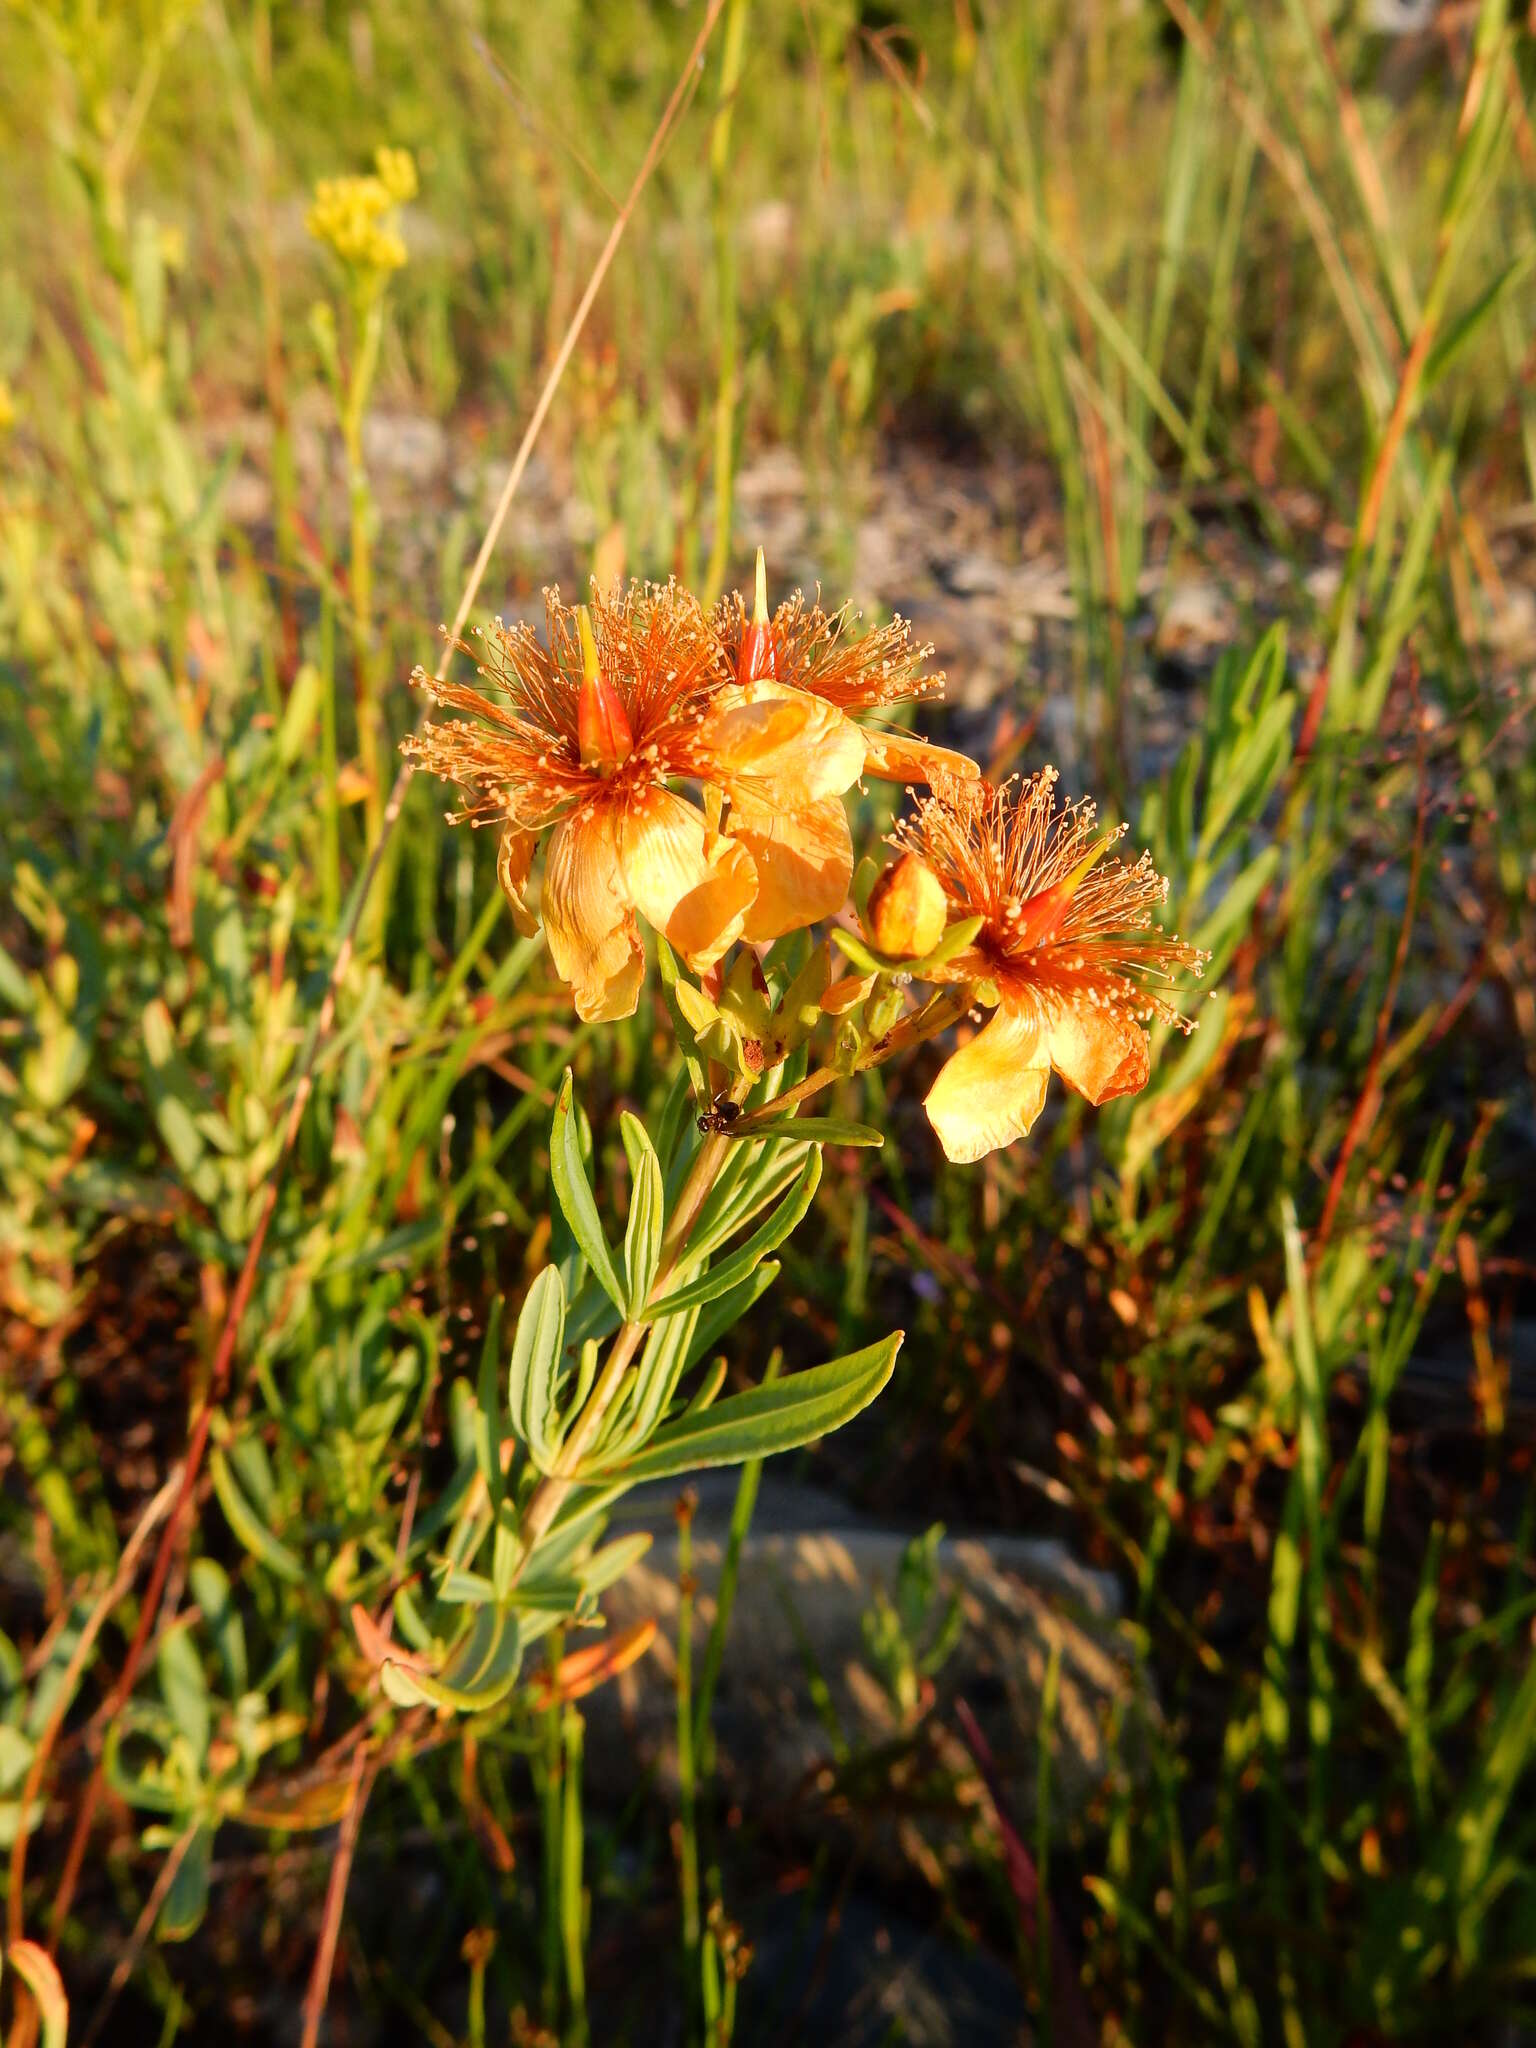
{"x":1036,"y":921}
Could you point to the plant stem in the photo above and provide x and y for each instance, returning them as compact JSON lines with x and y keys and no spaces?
{"x":572,"y":1902}
{"x":545,"y":1501}
{"x":1046,"y":1738}
{"x":360,"y":506}
{"x":550,"y":1802}
{"x":725,"y":1596}
{"x":330,"y":808}
{"x":688,"y":1822}
{"x":731,"y":58}
{"x":934,"y":1017}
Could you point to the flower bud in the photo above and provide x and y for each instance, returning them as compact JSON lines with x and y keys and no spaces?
{"x":603,"y":730}
{"x":757,"y":656}
{"x":907,"y":910}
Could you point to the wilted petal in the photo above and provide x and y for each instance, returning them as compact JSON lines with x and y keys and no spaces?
{"x":514,"y":857}
{"x":804,"y":862}
{"x":778,"y":746}
{"x":991,"y":1090}
{"x":843,"y":994}
{"x":694,"y":885}
{"x":1097,"y":1049}
{"x":593,"y":938}
{"x":898,"y":757}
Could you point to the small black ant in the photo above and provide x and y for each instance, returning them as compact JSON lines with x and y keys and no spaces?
{"x":720,"y":1115}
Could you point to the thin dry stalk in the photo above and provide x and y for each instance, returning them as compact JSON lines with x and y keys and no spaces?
{"x":335,"y":1899}
{"x":126,"y":1962}
{"x":240,"y":1299}
{"x":122,"y":1579}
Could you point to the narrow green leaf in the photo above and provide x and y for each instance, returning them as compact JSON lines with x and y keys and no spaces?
{"x":187,"y":1900}
{"x":1221,"y":931}
{"x":642,"y":1234}
{"x":607,"y":1566}
{"x":184,"y":1688}
{"x":727,"y":1310}
{"x":1463,"y":331}
{"x":648,"y":1393}
{"x":299,"y":713}
{"x":955,"y":940}
{"x":487,"y":1428}
{"x":573,"y":1191}
{"x":536,"y":1349}
{"x":480,"y":1670}
{"x":862,"y":956}
{"x":813,"y":1130}
{"x":767,"y":1238}
{"x":707,"y":1392}
{"x":780,"y":1416}
{"x":247,"y":1525}
{"x":211,"y":1591}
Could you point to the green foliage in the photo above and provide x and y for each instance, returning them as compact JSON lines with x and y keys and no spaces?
{"x":910,"y":1637}
{"x":1139,"y":1326}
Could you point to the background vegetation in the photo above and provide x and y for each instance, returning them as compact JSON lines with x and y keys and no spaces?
{"x":1220,"y":324}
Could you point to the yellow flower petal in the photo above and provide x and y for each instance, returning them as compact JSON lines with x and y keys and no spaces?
{"x":694,"y":885}
{"x":898,"y":757}
{"x":991,"y":1090}
{"x":1099,"y":1051}
{"x":779,"y":746}
{"x":593,"y":938}
{"x":514,"y":857}
{"x":804,"y":862}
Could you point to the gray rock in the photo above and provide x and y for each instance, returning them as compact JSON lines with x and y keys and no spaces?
{"x":798,"y":1688}
{"x":404,"y":447}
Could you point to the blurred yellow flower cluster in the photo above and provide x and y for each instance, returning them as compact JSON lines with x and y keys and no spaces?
{"x":356,"y":216}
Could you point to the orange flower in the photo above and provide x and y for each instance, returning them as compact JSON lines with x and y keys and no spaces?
{"x":1069,"y":943}
{"x":626,"y":700}
{"x":804,"y":648}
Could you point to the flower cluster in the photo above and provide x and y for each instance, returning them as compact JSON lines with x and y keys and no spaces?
{"x":581,"y":740}
{"x":357,"y":217}
{"x":1067,"y":951}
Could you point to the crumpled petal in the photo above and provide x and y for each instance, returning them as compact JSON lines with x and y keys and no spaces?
{"x":991,"y":1090}
{"x":693,"y":884}
{"x":514,"y":857}
{"x":804,"y":862}
{"x":898,"y":757}
{"x":1098,"y":1050}
{"x":593,"y":938}
{"x":779,"y":746}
